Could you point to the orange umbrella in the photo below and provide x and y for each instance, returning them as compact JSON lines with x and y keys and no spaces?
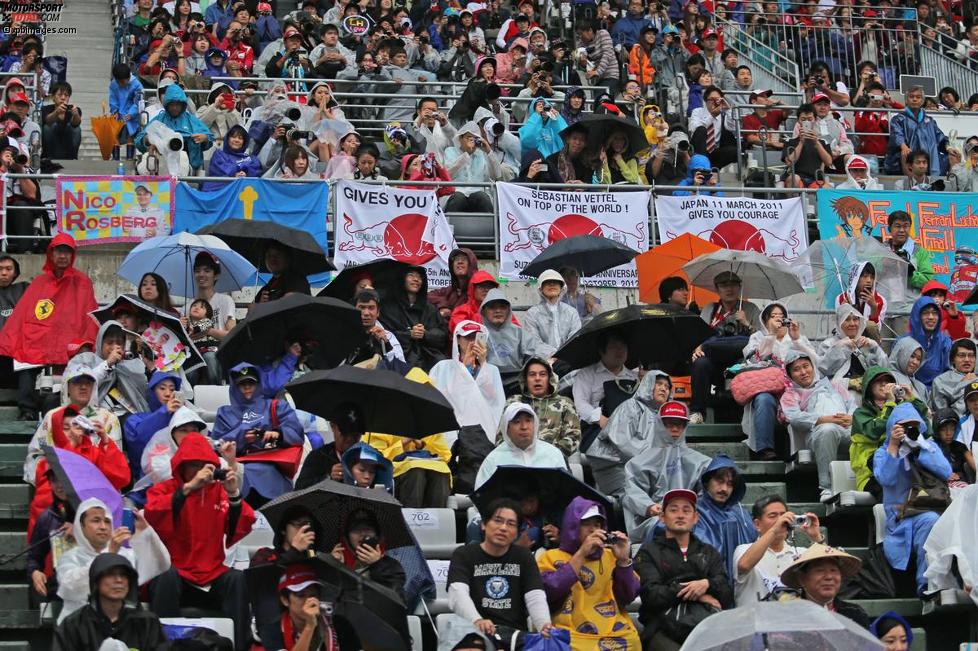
{"x":667,"y":260}
{"x":106,"y":129}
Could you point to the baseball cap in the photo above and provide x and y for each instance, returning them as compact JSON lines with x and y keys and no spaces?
{"x":291,"y":31}
{"x":467,"y":328}
{"x":297,"y":578}
{"x":673,"y":409}
{"x":971,"y":390}
{"x":820,"y":97}
{"x":247,"y":374}
{"x":670,"y":29}
{"x":264,"y":6}
{"x":726,"y":277}
{"x":593,"y":511}
{"x":708,"y":33}
{"x":76,"y":344}
{"x":761,"y":92}
{"x":72,"y":373}
{"x":858,"y":163}
{"x":942,"y":416}
{"x":679,"y":494}
{"x":19,"y":98}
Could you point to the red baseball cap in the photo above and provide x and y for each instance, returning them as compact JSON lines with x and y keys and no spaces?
{"x":708,"y":33}
{"x":675,"y":410}
{"x":679,"y":494}
{"x":19,"y":97}
{"x":857,"y":163}
{"x":467,"y":328}
{"x":297,"y":578}
{"x":75,"y":344}
{"x":820,"y":97}
{"x":291,"y":31}
{"x":264,"y":6}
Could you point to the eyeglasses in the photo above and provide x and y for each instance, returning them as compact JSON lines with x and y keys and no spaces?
{"x":503,"y":522}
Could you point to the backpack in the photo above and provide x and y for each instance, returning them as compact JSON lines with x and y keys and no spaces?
{"x":928,"y":492}
{"x":468,"y":452}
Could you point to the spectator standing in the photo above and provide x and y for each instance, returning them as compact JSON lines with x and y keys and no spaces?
{"x":630,"y":25}
{"x":723,"y":522}
{"x":600,"y":61}
{"x":913,"y":129}
{"x":669,"y":60}
{"x":640,"y":57}
{"x":899,"y":224}
{"x":11,"y":292}
{"x":414,"y":321}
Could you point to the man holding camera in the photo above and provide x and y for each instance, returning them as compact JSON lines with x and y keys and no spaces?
{"x":241,"y":56}
{"x":291,"y":60}
{"x":61,"y":124}
{"x":758,"y":565}
{"x":712,"y":127}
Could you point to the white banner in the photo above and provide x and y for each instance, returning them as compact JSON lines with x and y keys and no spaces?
{"x":775,"y":228}
{"x":531,"y":220}
{"x":374,"y":221}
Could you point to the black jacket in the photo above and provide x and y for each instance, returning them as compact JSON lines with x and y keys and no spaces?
{"x":88,"y":628}
{"x":661,"y":568}
{"x":399,"y":316}
{"x":853,"y":611}
{"x":389,"y":573}
{"x":317,"y":466}
{"x":8,"y":299}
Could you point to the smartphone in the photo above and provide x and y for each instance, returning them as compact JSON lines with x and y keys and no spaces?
{"x":482,"y":338}
{"x":129,"y":519}
{"x":543,"y":167}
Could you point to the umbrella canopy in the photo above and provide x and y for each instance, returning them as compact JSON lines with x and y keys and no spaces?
{"x":384,"y":274}
{"x":797,"y":625}
{"x":828,"y":263}
{"x":390,"y":403}
{"x":328,"y":329}
{"x":331,"y":503}
{"x":251,"y":238}
{"x":667,"y":260}
{"x":654,"y":333}
{"x":151,"y":314}
{"x":762,"y":277}
{"x":555,"y":487}
{"x":589,"y":254}
{"x":172,"y":257}
{"x":106,"y":129}
{"x":601,"y":126}
{"x":81,"y":480}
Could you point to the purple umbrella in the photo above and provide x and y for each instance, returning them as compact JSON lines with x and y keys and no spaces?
{"x":81,"y":480}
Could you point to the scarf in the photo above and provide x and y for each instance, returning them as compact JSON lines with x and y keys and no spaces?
{"x":565,"y":167}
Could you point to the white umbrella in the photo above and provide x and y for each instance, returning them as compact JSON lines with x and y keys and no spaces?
{"x":762,"y":277}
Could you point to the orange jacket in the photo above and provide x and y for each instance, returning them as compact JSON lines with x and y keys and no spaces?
{"x":640,"y":65}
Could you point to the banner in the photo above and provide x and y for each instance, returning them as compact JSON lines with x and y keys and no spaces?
{"x":775,"y":228}
{"x":375,"y":221}
{"x":531,"y":220}
{"x":944,"y":223}
{"x":98,"y":209}
{"x":302,"y":206}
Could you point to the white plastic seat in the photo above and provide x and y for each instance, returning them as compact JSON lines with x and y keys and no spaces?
{"x":208,"y":397}
{"x":879,"y":516}
{"x":414,"y":629}
{"x":459,"y":502}
{"x":796,"y":441}
{"x":434,"y":529}
{"x":438,"y":605}
{"x":844,"y":488}
{"x":220,"y":625}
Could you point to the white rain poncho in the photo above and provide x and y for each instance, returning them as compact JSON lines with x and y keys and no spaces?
{"x":548,"y":325}
{"x":952,"y":543}
{"x":835,"y":353}
{"x":539,"y":454}
{"x":161,"y":447}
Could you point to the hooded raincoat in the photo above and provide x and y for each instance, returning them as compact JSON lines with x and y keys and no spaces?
{"x":936,"y":344}
{"x":917,"y":132}
{"x":570,"y":115}
{"x":507,"y":346}
{"x":196,"y":528}
{"x":874,"y":627}
{"x":456,"y":293}
{"x":185,"y":123}
{"x":231,"y":162}
{"x":539,"y":454}
{"x":591,"y":603}
{"x":121,"y":387}
{"x":542,"y":132}
{"x":559,"y":424}
{"x":384,"y":477}
{"x":471,"y":310}
{"x":724,"y":526}
{"x":908,"y":534}
{"x":234,"y":421}
{"x":400,"y":315}
{"x":140,"y":427}
{"x":903,"y":349}
{"x":158,"y":451}
{"x":869,"y":426}
{"x":851,"y":183}
{"x":850,"y":295}
{"x":956,"y":326}
{"x":838,"y":359}
{"x":666,"y":464}
{"x":146,"y":553}
{"x":474,"y":167}
{"x":52,"y":312}
{"x":548,"y":325}
{"x":697,"y":163}
{"x":947,"y":389}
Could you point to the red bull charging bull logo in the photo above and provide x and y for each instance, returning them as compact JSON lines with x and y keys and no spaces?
{"x":541,"y":235}
{"x":400,"y":238}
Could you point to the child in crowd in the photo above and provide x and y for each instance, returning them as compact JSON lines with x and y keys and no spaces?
{"x":201,"y":322}
{"x":957,"y":453}
{"x":126,"y":102}
{"x":366,"y":467}
{"x":861,"y":294}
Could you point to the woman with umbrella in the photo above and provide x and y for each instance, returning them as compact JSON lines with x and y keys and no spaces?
{"x":284,"y":280}
{"x":361,"y":548}
{"x":153,"y":289}
{"x":573,"y":163}
{"x":618,"y":162}
{"x":414,"y":321}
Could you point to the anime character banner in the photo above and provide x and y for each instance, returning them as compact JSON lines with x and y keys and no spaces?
{"x":944,"y":223}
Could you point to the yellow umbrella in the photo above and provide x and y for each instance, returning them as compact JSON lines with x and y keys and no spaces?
{"x":106,"y":129}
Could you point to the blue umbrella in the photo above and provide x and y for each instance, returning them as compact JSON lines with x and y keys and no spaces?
{"x":81,"y":479}
{"x":172,"y":257}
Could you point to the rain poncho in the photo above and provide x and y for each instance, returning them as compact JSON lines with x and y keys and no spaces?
{"x":147,"y":554}
{"x":185,"y":123}
{"x":474,"y":167}
{"x":724,"y":526}
{"x":869,"y":427}
{"x":506,"y":343}
{"x":542,"y":133}
{"x":570,"y":115}
{"x":917,"y":132}
{"x":664,"y":465}
{"x":835,"y":355}
{"x":903,"y":349}
{"x":385,"y":471}
{"x":559,"y":423}
{"x":936,"y":344}
{"x":956,"y":326}
{"x":217,"y":118}
{"x":952,"y":556}
{"x":122,"y":387}
{"x":947,"y":389}
{"x":697,"y":163}
{"x":548,"y":325}
{"x":127,"y":101}
{"x":850,"y":295}
{"x":477,"y":399}
{"x":154,"y":464}
{"x":591,"y":602}
{"x":904,"y":535}
{"x":141,"y":427}
{"x":228,"y":162}
{"x":235,"y":420}
{"x":539,"y":454}
{"x":851,"y":183}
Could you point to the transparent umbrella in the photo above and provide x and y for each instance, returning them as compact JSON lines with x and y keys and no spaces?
{"x":797,"y":625}
{"x":827,"y":264}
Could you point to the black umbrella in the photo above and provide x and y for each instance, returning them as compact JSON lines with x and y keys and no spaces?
{"x":589,"y":254}
{"x":385,"y":274}
{"x":331,"y":503}
{"x":390,"y":404}
{"x":251,"y":238}
{"x":972,"y":298}
{"x":654,"y":333}
{"x":601,"y":126}
{"x":329,"y":329}
{"x":150,"y":313}
{"x":555,"y":487}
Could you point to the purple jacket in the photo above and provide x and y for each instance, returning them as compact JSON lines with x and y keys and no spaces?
{"x":227,"y":162}
{"x":559,"y":583}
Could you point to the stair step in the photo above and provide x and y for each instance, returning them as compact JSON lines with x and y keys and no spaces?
{"x":736,"y":451}
{"x":28,"y":620}
{"x":714,"y":432}
{"x":761,"y":468}
{"x":756,"y":490}
{"x":16,"y":427}
{"x":8,"y":412}
{"x":13,"y":597}
{"x":12,"y":542}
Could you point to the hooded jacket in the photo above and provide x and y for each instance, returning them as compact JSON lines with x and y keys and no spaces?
{"x":197,"y":528}
{"x":154,"y":463}
{"x":726,"y":525}
{"x":507,"y":346}
{"x":146,"y":553}
{"x":835,"y":356}
{"x":802,"y":406}
{"x":559,"y":424}
{"x":591,"y":602}
{"x":126,"y":102}
{"x":936,"y":344}
{"x":438,"y":173}
{"x":917,"y":132}
{"x":11,"y":294}
{"x":542,"y":132}
{"x":632,"y":425}
{"x":229,"y":162}
{"x":947,"y":390}
{"x":88,"y":627}
{"x":456,"y":292}
{"x":869,"y":426}
{"x":548,"y":325}
{"x":385,"y":470}
{"x":539,"y":454}
{"x":849,"y":296}
{"x":52,"y":312}
{"x":122,"y":387}
{"x":140,"y":427}
{"x":471,"y":310}
{"x":234,"y":421}
{"x":570,"y":115}
{"x":893,"y":474}
{"x":956,"y":327}
{"x":697,"y":163}
{"x":852,"y":184}
{"x":217,"y":118}
{"x":185,"y":123}
{"x":400,"y":315}
{"x":474,"y":167}
{"x":874,"y":626}
{"x":903,"y":349}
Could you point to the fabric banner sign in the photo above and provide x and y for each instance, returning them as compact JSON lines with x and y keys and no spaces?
{"x":99,"y":209}
{"x":375,"y":221}
{"x":531,"y":220}
{"x":775,"y":228}
{"x":944,"y":223}
{"x":302,"y":206}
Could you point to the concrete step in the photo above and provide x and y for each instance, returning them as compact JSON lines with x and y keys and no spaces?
{"x":714,"y":432}
{"x":736,"y":451}
{"x":13,"y":597}
{"x":8,"y":412}
{"x":21,"y":620}
{"x":756,"y":490}
{"x":909,"y":607}
{"x":12,"y":542}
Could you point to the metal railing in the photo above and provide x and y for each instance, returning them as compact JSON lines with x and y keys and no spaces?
{"x":948,"y":71}
{"x":771,"y":68}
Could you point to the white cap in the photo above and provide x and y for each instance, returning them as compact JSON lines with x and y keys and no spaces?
{"x":593,"y":511}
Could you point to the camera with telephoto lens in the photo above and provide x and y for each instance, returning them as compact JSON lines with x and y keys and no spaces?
{"x":293,"y":135}
{"x":728,"y":329}
{"x":912,"y":431}
{"x":678,"y":141}
{"x":220,"y":474}
{"x":293,"y":113}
